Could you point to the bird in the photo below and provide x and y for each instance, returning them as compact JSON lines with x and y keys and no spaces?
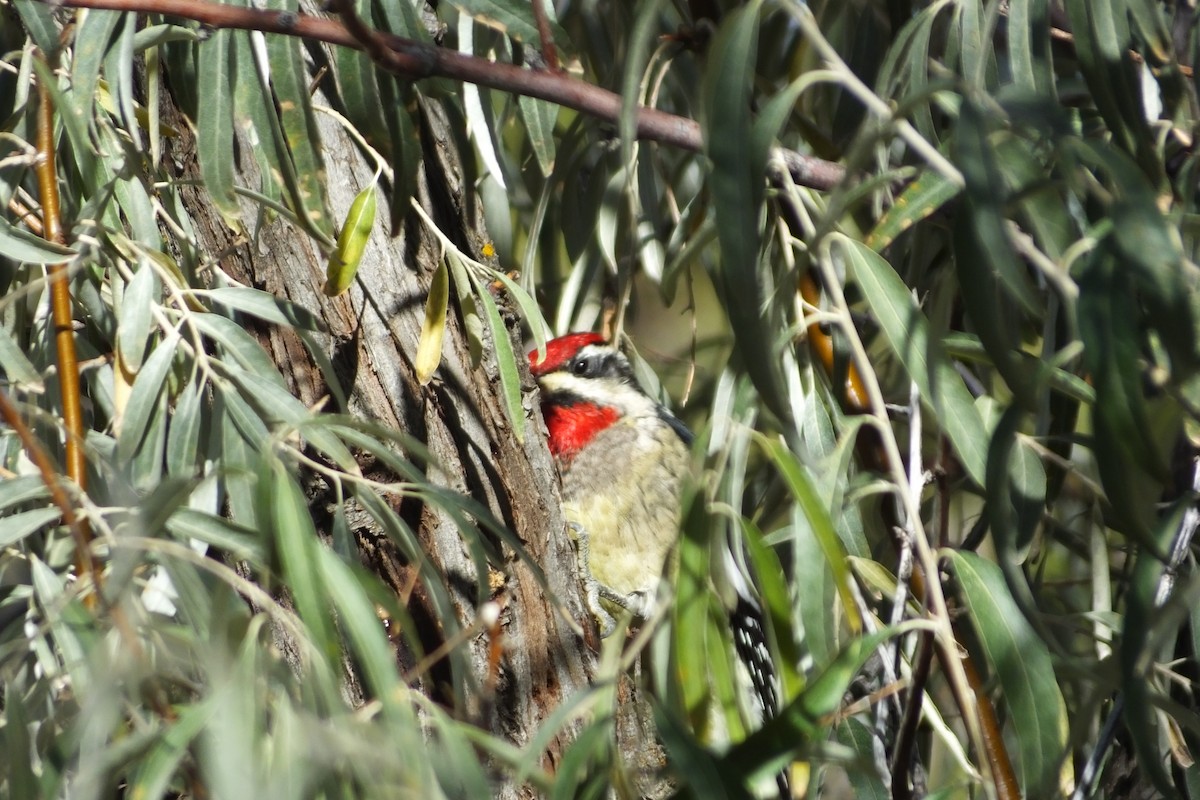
{"x":623,"y":457}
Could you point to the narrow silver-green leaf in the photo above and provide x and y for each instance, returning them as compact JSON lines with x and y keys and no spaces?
{"x":540,"y":117}
{"x":22,"y":246}
{"x":22,"y":489}
{"x":512,"y":17}
{"x":1024,"y":670}
{"x":506,"y":362}
{"x":143,"y":398}
{"x":16,"y":365}
{"x":1029,"y":46}
{"x":92,"y":41}
{"x":237,"y":346}
{"x":300,"y":133}
{"x":183,"y":436}
{"x":819,"y":519}
{"x":265,"y":306}
{"x":907,"y":333}
{"x":282,"y":501}
{"x":17,"y":526}
{"x":133,"y":332}
{"x":240,"y":542}
{"x":163,"y":763}
{"x":214,"y":123}
{"x":919,"y":200}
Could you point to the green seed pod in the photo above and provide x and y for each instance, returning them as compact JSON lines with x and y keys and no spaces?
{"x":351,"y":242}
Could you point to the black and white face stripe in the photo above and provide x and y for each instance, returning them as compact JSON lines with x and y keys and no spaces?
{"x":599,"y":361}
{"x":602,"y":375}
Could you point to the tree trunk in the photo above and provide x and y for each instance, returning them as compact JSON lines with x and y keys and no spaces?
{"x":373,"y":333}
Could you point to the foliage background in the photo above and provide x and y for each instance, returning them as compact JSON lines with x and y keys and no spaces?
{"x":1008,"y":302}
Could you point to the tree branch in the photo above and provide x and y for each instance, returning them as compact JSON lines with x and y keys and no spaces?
{"x":417,"y":60}
{"x":64,"y":334}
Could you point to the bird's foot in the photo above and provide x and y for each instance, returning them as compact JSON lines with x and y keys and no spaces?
{"x":596,"y":593}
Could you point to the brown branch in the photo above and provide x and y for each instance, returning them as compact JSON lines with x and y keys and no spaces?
{"x":26,"y":215}
{"x":58,"y":495}
{"x":417,"y":60}
{"x":64,"y":332}
{"x":549,"y":53}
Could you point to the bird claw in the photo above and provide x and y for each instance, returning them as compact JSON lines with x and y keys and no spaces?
{"x":594,"y":590}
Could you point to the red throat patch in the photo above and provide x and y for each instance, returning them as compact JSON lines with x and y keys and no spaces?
{"x":572,"y":427}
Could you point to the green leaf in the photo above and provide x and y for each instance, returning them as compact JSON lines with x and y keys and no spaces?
{"x":641,"y":36}
{"x":1024,"y":670}
{"x":183,"y":435}
{"x":540,"y":118}
{"x":401,"y":114}
{"x":803,"y":720}
{"x":861,"y":739}
{"x":996,"y":289}
{"x":1135,"y":657}
{"x":214,"y":123}
{"x":689,"y":688}
{"x":919,"y":200}
{"x":265,"y":306}
{"x":737,"y":188}
{"x":506,"y":360}
{"x":802,"y":489}
{"x":433,"y":328}
{"x":777,"y":603}
{"x":514,"y":18}
{"x":356,"y":613}
{"x":255,"y":116}
{"x":1016,"y":488}
{"x":21,"y":780}
{"x":22,"y":489}
{"x":162,"y":764}
{"x":17,"y":526}
{"x":38,"y":19}
{"x":118,"y":68}
{"x":17,"y":368}
{"x":240,"y":542}
{"x":237,"y":346}
{"x":281,"y":501}
{"x":143,"y":398}
{"x":301,"y":136}
{"x":1029,"y":46}
{"x":1150,"y":247}
{"x":356,"y":77}
{"x":1132,"y":467}
{"x":907,"y":333}
{"x":92,"y":41}
{"x":22,"y":246}
{"x":133,"y":332}
{"x":1103,"y":44}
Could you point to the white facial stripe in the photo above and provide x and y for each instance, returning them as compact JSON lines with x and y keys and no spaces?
{"x":629,"y":401}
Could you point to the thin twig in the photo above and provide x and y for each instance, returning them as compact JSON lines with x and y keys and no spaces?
{"x":417,"y":60}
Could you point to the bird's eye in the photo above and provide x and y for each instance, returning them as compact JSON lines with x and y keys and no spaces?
{"x":580,"y":366}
